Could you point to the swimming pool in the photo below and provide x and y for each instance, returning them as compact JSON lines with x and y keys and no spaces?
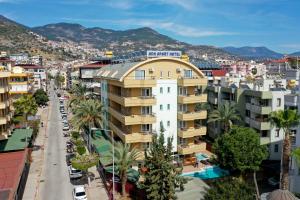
{"x":201,"y":156}
{"x":208,"y":173}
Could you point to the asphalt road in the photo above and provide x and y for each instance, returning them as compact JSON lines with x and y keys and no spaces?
{"x":55,"y":183}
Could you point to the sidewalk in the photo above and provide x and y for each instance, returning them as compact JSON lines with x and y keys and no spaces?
{"x":96,"y":190}
{"x":37,"y":155}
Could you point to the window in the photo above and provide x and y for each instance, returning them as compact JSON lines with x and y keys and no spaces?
{"x":188,"y":73}
{"x":146,"y":127}
{"x":182,"y":91}
{"x":139,"y":74}
{"x":161,"y":90}
{"x":278,"y":103}
{"x":161,"y":107}
{"x":169,"y":74}
{"x":277,"y":133}
{"x":168,"y":123}
{"x":182,"y":107}
{"x":247,"y":113}
{"x":168,"y":106}
{"x":182,"y":124}
{"x":146,"y":92}
{"x":161,"y":74}
{"x":146,"y":110}
{"x":169,"y":89}
{"x":276,"y":148}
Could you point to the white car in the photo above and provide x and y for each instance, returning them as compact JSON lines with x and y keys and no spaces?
{"x":79,"y":193}
{"x":66,"y":127}
{"x":74,"y":173}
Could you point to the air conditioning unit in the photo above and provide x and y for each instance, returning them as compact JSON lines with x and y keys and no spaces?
{"x":178,"y":70}
{"x":151,"y":70}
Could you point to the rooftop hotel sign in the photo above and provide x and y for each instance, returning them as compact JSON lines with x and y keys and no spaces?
{"x":154,"y":54}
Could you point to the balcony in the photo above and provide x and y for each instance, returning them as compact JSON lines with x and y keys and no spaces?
{"x":3,"y":120}
{"x":4,"y":104}
{"x":291,"y":99}
{"x":131,"y":82}
{"x":187,"y":116}
{"x":132,"y":119}
{"x":265,"y":140}
{"x":191,"y":132}
{"x":5,"y":74}
{"x":133,"y":101}
{"x":258,"y":124}
{"x":264,"y":110}
{"x":4,"y":89}
{"x":190,"y":149}
{"x":193,"y":81}
{"x":192,"y":99}
{"x":132,"y":137}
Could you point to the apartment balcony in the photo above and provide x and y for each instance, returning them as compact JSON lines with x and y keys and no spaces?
{"x":291,"y":100}
{"x":5,"y":74}
{"x":192,"y":148}
{"x":4,"y":89}
{"x":4,"y":104}
{"x":131,"y":82}
{"x":193,"y":81}
{"x":132,"y":119}
{"x":192,"y":99}
{"x":187,"y":116}
{"x":265,"y":140}
{"x":3,"y":120}
{"x":191,"y":132}
{"x":133,"y":101}
{"x":132,"y":137}
{"x":264,"y":110}
{"x":258,"y":124}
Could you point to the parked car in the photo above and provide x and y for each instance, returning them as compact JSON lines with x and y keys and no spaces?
{"x":64,"y":115}
{"x":74,"y":173}
{"x":274,"y":181}
{"x":58,"y":95}
{"x":79,"y":193}
{"x":66,"y":127}
{"x":69,"y":157}
{"x":65,"y":121}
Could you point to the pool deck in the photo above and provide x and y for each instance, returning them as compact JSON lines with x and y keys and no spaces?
{"x":201,"y":166}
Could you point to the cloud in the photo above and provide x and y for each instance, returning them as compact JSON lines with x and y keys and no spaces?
{"x":293,"y":46}
{"x":187,"y":5}
{"x":120,"y":4}
{"x":178,"y":29}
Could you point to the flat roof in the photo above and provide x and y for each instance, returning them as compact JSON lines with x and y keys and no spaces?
{"x":30,"y":66}
{"x":11,"y":169}
{"x":19,"y":140}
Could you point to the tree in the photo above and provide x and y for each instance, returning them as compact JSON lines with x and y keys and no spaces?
{"x":25,"y":106}
{"x":225,"y":114}
{"x":87,"y":113}
{"x":59,"y":80}
{"x":296,"y":155}
{"x":240,"y":150}
{"x":162,"y":176}
{"x":41,"y":97}
{"x":231,"y":189}
{"x":78,"y":94}
{"x":285,"y":119}
{"x":125,"y":156}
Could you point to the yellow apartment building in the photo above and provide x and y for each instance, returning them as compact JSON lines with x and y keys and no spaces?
{"x":140,"y":98}
{"x":5,"y":114}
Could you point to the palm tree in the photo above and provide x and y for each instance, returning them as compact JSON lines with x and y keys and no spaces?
{"x":79,"y":93}
{"x":285,"y":119}
{"x":25,"y":106}
{"x":225,"y":114}
{"x":125,"y":156}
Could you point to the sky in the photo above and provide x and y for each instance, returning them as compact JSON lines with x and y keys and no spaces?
{"x":270,"y":23}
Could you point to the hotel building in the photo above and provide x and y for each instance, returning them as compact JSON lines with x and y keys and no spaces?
{"x":141,"y":98}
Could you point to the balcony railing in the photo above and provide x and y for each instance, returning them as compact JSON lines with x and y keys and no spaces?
{"x":133,"y":101}
{"x":191,"y":148}
{"x":192,"y":132}
{"x":194,"y":98}
{"x":185,"y":116}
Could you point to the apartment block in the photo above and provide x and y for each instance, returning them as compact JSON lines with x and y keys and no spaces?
{"x":142,"y":98}
{"x":5,"y":114}
{"x":254,"y":100}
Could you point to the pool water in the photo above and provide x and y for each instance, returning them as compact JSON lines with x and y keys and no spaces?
{"x":208,"y":173}
{"x":201,"y":156}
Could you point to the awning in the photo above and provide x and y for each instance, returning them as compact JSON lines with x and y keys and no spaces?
{"x":132,"y":174}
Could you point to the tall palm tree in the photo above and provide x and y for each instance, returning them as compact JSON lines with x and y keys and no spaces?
{"x":225,"y":114}
{"x":79,"y":93}
{"x":25,"y":106}
{"x":125,"y":156}
{"x":285,"y":119}
{"x":87,"y":113}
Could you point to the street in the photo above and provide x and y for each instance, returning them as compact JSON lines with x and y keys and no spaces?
{"x":55,"y":182}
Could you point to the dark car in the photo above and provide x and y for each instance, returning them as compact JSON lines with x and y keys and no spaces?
{"x":58,"y":95}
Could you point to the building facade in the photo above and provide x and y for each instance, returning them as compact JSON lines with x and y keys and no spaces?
{"x":143,"y":98}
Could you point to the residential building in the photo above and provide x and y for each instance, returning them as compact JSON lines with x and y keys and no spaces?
{"x":254,"y":101}
{"x":39,"y":75}
{"x":20,"y":58}
{"x":5,"y":113}
{"x":141,"y":98}
{"x":20,"y":82}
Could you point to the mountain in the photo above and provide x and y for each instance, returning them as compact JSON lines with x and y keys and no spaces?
{"x":295,"y":54}
{"x":122,"y":41}
{"x":253,"y":52}
{"x":17,"y":38}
